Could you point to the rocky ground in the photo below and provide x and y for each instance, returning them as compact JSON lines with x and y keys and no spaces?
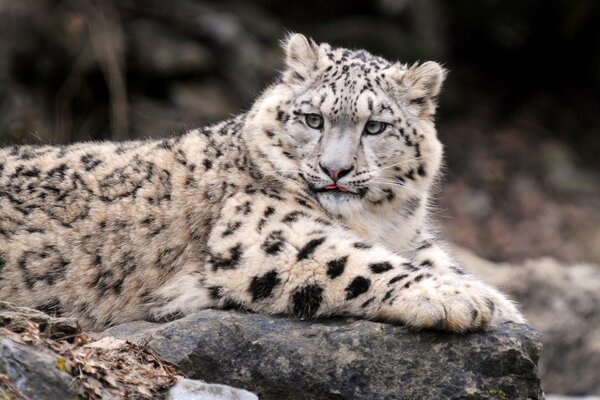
{"x":274,"y":357}
{"x":283,"y":358}
{"x":48,"y":358}
{"x":563,"y":303}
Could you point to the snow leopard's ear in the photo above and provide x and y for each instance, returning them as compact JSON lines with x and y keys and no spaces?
{"x":420,"y":85}
{"x":302,"y":56}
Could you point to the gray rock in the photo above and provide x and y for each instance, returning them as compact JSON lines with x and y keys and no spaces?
{"x":54,"y":327}
{"x":188,"y":389}
{"x":563,"y":302}
{"x":283,"y":358}
{"x":33,"y":371}
{"x":560,"y":397}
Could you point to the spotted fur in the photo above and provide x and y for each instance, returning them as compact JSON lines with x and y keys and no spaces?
{"x":250,"y":212}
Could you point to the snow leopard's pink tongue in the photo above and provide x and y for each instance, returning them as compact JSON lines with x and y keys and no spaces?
{"x":334,"y":186}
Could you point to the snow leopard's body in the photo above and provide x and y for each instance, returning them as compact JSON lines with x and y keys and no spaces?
{"x":262,"y":211}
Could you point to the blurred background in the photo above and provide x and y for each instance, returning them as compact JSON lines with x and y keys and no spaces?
{"x":520,"y":116}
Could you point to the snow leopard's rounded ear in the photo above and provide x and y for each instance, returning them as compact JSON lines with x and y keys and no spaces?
{"x":302,"y":56}
{"x":420,"y":84}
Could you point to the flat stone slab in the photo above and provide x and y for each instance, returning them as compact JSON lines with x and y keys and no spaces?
{"x":187,"y":389}
{"x":284,"y":358}
{"x":33,"y":371}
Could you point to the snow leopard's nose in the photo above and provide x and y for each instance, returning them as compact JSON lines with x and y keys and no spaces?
{"x":336,"y":174}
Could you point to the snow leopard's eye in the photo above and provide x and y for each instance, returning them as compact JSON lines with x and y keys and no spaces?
{"x":314,"y":121}
{"x":375,"y":127}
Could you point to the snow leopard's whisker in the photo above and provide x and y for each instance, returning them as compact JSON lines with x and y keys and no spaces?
{"x":400,"y":185}
{"x":379,"y":169}
{"x":379,"y":191}
{"x":389,"y":182}
{"x":402,"y":162}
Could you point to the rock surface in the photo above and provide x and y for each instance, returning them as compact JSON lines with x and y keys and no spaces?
{"x":278,"y":357}
{"x":33,"y":372}
{"x":17,"y":317}
{"x":563,"y":302}
{"x":189,"y":389}
{"x":48,"y":358}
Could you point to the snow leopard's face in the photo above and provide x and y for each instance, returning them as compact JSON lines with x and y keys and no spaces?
{"x":357,"y":128}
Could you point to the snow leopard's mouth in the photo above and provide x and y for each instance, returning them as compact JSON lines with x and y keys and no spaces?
{"x":335,"y":187}
{"x":337,"y":190}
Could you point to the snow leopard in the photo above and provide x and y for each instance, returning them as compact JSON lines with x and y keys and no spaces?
{"x":313,"y":203}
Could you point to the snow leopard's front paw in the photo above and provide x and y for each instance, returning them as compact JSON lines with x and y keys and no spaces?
{"x":450,"y":304}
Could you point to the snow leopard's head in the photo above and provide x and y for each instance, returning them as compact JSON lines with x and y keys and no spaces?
{"x":357,"y":128}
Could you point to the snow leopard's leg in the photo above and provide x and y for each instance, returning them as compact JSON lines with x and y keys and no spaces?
{"x":274,"y":257}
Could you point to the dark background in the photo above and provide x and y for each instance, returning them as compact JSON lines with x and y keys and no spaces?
{"x":519,"y":115}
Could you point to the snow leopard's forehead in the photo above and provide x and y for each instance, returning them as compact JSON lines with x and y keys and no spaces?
{"x":349,"y":85}
{"x":356,"y":62}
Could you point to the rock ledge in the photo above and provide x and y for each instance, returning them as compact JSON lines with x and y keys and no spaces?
{"x":279,"y":357}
